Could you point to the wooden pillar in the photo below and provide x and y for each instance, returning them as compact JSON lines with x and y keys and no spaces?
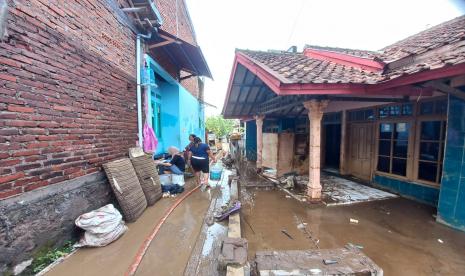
{"x":343,"y":153}
{"x":315,"y":114}
{"x":259,"y":122}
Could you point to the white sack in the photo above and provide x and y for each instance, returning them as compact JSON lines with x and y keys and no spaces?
{"x":178,"y":179}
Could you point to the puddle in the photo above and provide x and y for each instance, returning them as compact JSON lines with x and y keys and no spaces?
{"x":213,"y":232}
{"x":399,"y":235}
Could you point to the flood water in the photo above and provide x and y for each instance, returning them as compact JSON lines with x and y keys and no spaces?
{"x":399,"y":235}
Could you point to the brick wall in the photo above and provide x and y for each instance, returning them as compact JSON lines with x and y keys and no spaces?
{"x":182,"y":28}
{"x":67,"y":92}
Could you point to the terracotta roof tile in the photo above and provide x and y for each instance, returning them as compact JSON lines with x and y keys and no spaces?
{"x":434,"y":48}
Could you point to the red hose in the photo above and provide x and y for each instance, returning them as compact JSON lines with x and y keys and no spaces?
{"x":143,"y":248}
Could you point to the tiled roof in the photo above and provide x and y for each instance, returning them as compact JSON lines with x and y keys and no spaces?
{"x":408,"y":56}
{"x":353,"y":52}
{"x":445,"y":33}
{"x":298,"y":68}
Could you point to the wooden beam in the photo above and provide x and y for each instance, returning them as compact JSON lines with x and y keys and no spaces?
{"x":438,"y":85}
{"x":160,"y":44}
{"x":458,"y":81}
{"x":134,"y":9}
{"x":367,"y":99}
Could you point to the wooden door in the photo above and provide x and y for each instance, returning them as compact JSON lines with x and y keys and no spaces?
{"x":361,"y":150}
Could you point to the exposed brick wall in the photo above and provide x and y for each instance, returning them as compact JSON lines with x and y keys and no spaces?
{"x":67,"y":92}
{"x":182,"y":27}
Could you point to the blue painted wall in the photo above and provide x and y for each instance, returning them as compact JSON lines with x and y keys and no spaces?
{"x":181,"y":113}
{"x":251,"y":140}
{"x":451,"y":208}
{"x":421,"y":193}
{"x":191,"y":117}
{"x":170,"y":123}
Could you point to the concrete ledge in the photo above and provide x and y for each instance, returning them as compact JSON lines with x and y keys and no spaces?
{"x":45,"y":217}
{"x":234,"y":230}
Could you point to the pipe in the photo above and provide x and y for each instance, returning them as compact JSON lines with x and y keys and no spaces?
{"x":145,"y":245}
{"x":139,"y":97}
{"x":139,"y":92}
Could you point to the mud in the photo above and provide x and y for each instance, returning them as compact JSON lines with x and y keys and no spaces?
{"x":167,"y":255}
{"x":399,"y":235}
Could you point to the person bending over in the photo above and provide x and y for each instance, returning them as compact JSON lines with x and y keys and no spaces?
{"x":199,"y":154}
{"x":176,"y":165}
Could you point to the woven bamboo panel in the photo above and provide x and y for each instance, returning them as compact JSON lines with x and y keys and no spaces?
{"x":126,"y":186}
{"x":146,"y":170}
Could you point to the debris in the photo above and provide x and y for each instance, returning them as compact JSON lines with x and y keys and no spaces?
{"x":233,"y":252}
{"x":351,"y":245}
{"x":228,"y":210}
{"x":329,"y":262}
{"x":288,"y":196}
{"x":209,"y":220}
{"x":301,"y":226}
{"x":167,"y":194}
{"x":353,"y":221}
{"x":287,"y":234}
{"x":21,"y":267}
{"x":440,"y":241}
{"x":245,"y":220}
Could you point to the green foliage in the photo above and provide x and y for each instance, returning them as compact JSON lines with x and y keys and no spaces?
{"x":48,"y":255}
{"x":219,"y":125}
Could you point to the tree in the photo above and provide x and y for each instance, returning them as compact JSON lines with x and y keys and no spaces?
{"x":219,"y":125}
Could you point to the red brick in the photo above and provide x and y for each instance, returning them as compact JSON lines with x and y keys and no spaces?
{"x":15,"y":108}
{"x":23,"y":138}
{"x":48,"y":137}
{"x":11,"y":177}
{"x":25,"y":153}
{"x":12,"y":192}
{"x":27,"y":167}
{"x":9,"y":131}
{"x":20,"y":123}
{"x":34,"y":186}
{"x":8,"y":77}
{"x":62,"y":108}
{"x":8,"y":61}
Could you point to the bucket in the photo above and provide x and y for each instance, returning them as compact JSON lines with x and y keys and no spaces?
{"x":215,"y":172}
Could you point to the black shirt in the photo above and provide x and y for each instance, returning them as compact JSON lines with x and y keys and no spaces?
{"x":179,"y":162}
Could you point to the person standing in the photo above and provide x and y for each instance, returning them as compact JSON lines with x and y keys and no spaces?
{"x":199,"y":155}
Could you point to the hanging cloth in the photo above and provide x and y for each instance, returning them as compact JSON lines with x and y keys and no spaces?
{"x":150,"y":139}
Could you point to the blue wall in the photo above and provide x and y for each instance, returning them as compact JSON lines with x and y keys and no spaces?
{"x":181,"y":113}
{"x":421,"y":193}
{"x":191,"y":117}
{"x":170,"y":123}
{"x":451,"y":208}
{"x":251,"y":140}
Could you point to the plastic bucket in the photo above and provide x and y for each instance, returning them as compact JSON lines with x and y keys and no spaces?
{"x":215,"y":174}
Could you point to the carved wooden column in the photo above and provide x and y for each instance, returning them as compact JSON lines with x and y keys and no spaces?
{"x":259,"y":122}
{"x":315,"y":114}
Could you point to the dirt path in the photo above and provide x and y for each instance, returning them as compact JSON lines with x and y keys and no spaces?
{"x":400,"y":235}
{"x":167,"y":255}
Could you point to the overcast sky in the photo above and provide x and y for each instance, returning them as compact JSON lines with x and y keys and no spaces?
{"x":222,"y":26}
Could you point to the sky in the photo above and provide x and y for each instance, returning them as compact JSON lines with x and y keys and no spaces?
{"x":221,"y":26}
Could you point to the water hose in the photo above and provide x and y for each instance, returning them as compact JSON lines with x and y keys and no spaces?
{"x":145,"y":245}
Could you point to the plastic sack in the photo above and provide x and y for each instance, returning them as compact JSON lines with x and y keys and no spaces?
{"x":165,"y":179}
{"x":178,"y":179}
{"x":102,"y":226}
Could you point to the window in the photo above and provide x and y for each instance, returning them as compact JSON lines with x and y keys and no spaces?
{"x":436,"y":107}
{"x":156,"y":119}
{"x":393,"y":147}
{"x":395,"y":110}
{"x":361,"y":115}
{"x":431,"y":150}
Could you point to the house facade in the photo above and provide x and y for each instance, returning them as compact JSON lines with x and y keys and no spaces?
{"x":392,"y":118}
{"x":75,"y":78}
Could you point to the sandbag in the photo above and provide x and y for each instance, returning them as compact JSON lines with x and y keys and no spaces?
{"x":127,"y":189}
{"x":146,"y":171}
{"x":102,"y":226}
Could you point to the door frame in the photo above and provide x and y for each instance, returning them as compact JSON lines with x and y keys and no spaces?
{"x":372,"y":124}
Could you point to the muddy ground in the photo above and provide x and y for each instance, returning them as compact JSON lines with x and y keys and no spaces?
{"x":399,"y":235}
{"x":168,"y":254}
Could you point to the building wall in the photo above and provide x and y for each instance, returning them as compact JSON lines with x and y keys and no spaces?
{"x":176,"y":21}
{"x":451,"y":207}
{"x":169,"y":117}
{"x":191,"y":117}
{"x":67,"y":93}
{"x":67,"y":105}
